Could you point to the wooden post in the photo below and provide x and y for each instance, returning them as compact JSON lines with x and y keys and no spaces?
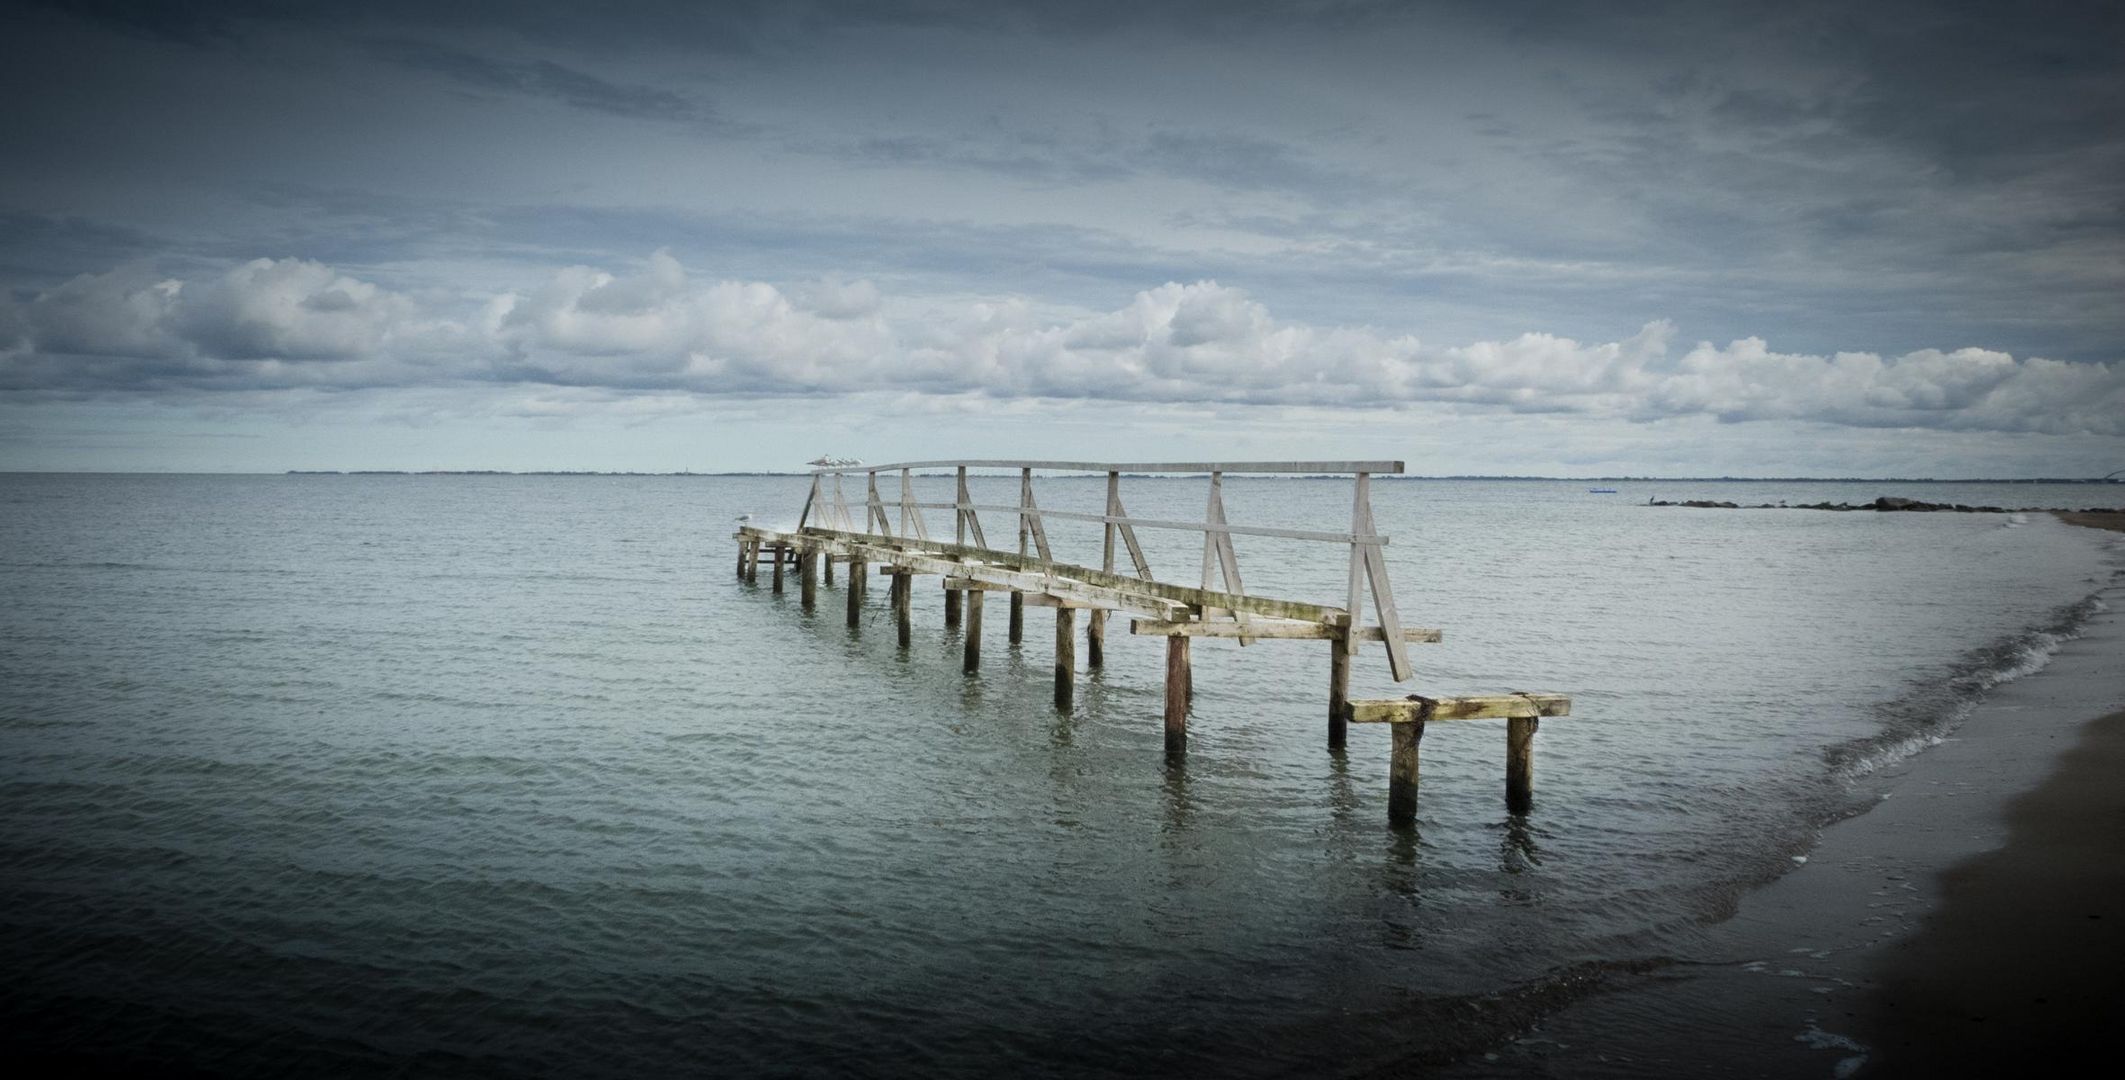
{"x":1402,"y":773}
{"x":741,"y":558}
{"x":1096,"y":626}
{"x":1179,"y":683}
{"x":780,"y":551}
{"x":808,"y":578}
{"x":1065,"y":657}
{"x":1338,"y":691}
{"x":1018,"y":600}
{"x":855,"y":592}
{"x":951,"y":608}
{"x":827,"y":574}
{"x":1520,"y":764}
{"x":974,"y":606}
{"x":903,"y":585}
{"x":752,"y":564}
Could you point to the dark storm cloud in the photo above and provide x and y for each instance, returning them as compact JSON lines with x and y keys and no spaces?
{"x":538,"y":78}
{"x":386,"y":194}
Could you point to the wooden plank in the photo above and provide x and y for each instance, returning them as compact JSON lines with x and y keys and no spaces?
{"x":810,"y":498}
{"x":908,"y":509}
{"x":979,"y":578}
{"x":1306,"y":467}
{"x":1220,"y":543}
{"x":874,"y":519}
{"x":1477,"y":707}
{"x":1128,"y":530}
{"x":964,"y":511}
{"x":1383,"y":593}
{"x":1276,"y":629}
{"x":1029,"y":512}
{"x":1178,"y":594}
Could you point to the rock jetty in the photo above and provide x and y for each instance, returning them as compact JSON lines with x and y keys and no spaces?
{"x":1889,"y":503}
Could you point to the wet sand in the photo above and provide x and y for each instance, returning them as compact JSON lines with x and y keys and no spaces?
{"x":2111,"y":520}
{"x":2022,"y":957}
{"x":1969,"y":920}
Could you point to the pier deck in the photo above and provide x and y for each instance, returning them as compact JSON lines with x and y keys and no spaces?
{"x":968,"y":568}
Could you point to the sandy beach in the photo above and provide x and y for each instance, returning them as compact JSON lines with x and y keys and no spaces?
{"x":1970,"y":919}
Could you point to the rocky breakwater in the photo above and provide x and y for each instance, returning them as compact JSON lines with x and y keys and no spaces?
{"x":1890,"y":503}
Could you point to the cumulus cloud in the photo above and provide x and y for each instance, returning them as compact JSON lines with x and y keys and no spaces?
{"x":660,"y":330}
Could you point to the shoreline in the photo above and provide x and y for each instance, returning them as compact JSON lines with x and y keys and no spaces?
{"x":1907,"y":922}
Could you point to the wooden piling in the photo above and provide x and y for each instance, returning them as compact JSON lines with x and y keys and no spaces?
{"x":903,"y":616}
{"x":742,"y":544}
{"x":1338,"y":692}
{"x":1095,"y":638}
{"x":1018,"y":617}
{"x":1402,"y":774}
{"x":808,"y":578}
{"x":780,"y":551}
{"x":752,"y":563}
{"x":1179,"y":686}
{"x":826,"y":573}
{"x":1520,"y":764}
{"x":855,"y":592}
{"x":973,"y":633}
{"x":1065,"y":657}
{"x":951,"y":608}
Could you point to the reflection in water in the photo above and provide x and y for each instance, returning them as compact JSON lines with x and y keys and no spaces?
{"x":1517,"y":852}
{"x":1401,"y":877}
{"x":1179,"y":806}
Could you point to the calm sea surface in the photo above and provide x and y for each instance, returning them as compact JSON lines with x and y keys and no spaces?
{"x":449,"y":774}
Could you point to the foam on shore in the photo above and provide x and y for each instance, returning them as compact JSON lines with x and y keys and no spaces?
{"x":1793,"y":984}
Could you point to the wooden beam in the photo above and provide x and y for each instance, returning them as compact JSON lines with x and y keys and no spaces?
{"x":1479,"y":707}
{"x":1274,"y":628}
{"x":1180,"y":595}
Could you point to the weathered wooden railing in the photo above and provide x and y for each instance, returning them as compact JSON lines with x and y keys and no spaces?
{"x":828,"y":531}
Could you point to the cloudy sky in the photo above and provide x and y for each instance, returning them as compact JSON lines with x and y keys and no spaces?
{"x":1516,"y":236}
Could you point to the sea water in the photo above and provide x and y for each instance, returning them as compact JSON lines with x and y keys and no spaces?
{"x":497,"y":774}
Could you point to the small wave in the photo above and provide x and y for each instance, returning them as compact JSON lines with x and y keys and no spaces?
{"x":1923,"y":718}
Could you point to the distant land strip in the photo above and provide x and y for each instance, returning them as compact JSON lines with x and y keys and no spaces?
{"x":2098,"y":517}
{"x":1382,"y":477}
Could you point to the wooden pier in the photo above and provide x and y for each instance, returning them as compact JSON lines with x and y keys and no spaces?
{"x":830,"y":529}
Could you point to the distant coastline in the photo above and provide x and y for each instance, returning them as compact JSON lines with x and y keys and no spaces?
{"x":1383,"y":477}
